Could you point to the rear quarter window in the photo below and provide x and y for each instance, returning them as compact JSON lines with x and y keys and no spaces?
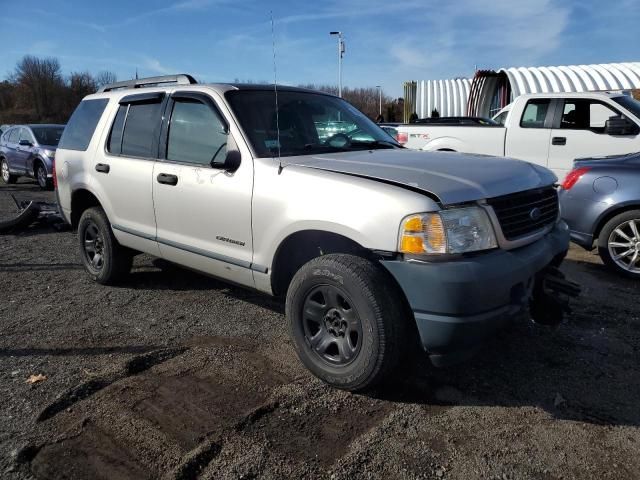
{"x":82,"y":124}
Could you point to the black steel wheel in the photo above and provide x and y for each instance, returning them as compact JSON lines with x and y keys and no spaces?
{"x":332,"y":326}
{"x":93,"y":246}
{"x":347,"y":320}
{"x":104,"y":259}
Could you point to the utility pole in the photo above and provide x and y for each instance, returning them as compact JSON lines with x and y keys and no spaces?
{"x":341,"y":51}
{"x":379,"y":99}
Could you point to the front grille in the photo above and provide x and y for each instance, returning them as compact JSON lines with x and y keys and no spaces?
{"x":517,"y":212}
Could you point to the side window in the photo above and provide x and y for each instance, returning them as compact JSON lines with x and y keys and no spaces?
{"x":586,"y":115}
{"x":13,"y":135}
{"x":500,"y":119}
{"x":535,"y":113}
{"x":26,"y":135}
{"x":140,"y":129}
{"x":197,"y":134}
{"x":114,"y":145}
{"x":78,"y":132}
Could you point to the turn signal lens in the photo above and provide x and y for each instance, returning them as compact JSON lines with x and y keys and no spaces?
{"x":422,"y":234}
{"x":451,"y":231}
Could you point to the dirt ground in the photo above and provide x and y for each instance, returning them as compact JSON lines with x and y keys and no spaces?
{"x":175,"y":375}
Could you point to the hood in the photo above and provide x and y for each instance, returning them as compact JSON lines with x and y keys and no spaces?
{"x":449,"y":176}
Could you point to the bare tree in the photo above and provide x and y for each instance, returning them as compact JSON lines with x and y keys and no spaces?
{"x":42,"y":80}
{"x":365,"y":99}
{"x":105,"y":78}
{"x":80,"y":85}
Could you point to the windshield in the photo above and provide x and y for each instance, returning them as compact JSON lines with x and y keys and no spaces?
{"x":48,"y":135}
{"x":630,"y":104}
{"x":309,"y":123}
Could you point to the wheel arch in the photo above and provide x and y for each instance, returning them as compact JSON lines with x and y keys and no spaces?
{"x":82,"y":199}
{"x":612,"y":212}
{"x":304,"y":245}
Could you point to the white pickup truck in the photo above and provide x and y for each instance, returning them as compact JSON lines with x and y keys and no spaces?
{"x":549,"y":129}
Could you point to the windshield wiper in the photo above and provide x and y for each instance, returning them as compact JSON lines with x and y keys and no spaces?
{"x":377,"y":143}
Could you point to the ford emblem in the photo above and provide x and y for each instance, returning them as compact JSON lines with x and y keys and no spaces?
{"x":535,"y":214}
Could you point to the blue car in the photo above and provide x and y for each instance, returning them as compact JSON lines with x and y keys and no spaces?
{"x":28,"y":151}
{"x":600,"y":201}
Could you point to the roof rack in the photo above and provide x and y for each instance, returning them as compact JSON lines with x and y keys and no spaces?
{"x":181,"y":79}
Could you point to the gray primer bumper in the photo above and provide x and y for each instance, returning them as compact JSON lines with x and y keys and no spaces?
{"x":457,"y":304}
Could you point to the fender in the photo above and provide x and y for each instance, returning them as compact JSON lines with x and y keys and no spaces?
{"x":446,"y":143}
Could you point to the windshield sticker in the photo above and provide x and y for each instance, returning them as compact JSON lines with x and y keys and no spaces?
{"x":271,"y":144}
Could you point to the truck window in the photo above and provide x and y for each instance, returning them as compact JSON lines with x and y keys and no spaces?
{"x":535,"y":113}
{"x":584,"y":114}
{"x":140,"y":123}
{"x":196,"y":134}
{"x":78,"y":132}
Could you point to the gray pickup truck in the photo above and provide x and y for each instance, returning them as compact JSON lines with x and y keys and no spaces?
{"x":296,"y":193}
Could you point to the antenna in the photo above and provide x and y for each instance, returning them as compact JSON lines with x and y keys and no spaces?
{"x":275,"y":90}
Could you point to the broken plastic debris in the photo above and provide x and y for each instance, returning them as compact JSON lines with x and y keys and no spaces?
{"x":36,"y":378}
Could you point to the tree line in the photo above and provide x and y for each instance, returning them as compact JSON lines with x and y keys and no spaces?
{"x":38,"y":92}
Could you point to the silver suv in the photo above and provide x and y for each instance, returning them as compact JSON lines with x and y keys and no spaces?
{"x":296,"y":193}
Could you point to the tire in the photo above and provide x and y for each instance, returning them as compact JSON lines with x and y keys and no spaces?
{"x":354,"y":314}
{"x":104,"y":259}
{"x":41,"y":176}
{"x":619,"y":244}
{"x":6,"y":176}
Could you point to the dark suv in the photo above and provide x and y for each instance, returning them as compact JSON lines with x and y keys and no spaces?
{"x":28,"y":150}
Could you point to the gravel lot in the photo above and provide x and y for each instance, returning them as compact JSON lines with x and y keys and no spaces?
{"x":176,"y":375}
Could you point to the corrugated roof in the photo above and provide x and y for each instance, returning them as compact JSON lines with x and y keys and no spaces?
{"x":574,"y":78}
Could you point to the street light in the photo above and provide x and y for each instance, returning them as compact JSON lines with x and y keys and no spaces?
{"x":379,"y":99}
{"x":341,"y":50}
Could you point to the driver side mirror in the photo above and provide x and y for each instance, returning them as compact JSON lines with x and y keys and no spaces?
{"x":620,"y":126}
{"x":25,"y":143}
{"x":232,"y":161}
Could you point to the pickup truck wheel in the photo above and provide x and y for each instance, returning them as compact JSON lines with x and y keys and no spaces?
{"x":6,"y":176}
{"x":346,"y":319}
{"x":619,"y":243}
{"x":103,"y":257}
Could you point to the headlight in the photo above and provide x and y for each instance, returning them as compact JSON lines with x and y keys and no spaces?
{"x":49,"y":153}
{"x":458,"y":230}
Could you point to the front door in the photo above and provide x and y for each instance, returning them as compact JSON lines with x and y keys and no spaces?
{"x":528,"y":136}
{"x":203,"y":212}
{"x":581,"y":134}
{"x":23,"y":150}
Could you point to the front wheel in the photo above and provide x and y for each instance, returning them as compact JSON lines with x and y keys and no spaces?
{"x":619,"y":243}
{"x":104,"y":259}
{"x":6,"y":175}
{"x":41,"y":177}
{"x":346,"y":319}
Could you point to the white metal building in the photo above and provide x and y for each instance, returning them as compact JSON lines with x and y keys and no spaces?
{"x":490,"y":90}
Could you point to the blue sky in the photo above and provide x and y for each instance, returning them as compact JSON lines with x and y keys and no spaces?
{"x":387,"y":41}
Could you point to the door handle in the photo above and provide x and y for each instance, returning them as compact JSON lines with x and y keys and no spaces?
{"x":167,"y":179}
{"x":559,"y":141}
{"x":103,"y":168}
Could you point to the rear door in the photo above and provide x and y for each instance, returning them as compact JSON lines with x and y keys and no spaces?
{"x":124,"y":169}
{"x":12,"y":144}
{"x":203,"y":212}
{"x":579,"y":132}
{"x":528,"y":136}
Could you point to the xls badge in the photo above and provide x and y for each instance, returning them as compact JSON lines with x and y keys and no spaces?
{"x":230,"y":240}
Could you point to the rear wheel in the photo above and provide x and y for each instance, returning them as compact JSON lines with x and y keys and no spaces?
{"x":619,"y":243}
{"x":104,"y":259}
{"x":41,"y":177}
{"x":7,"y":177}
{"x":347,"y":321}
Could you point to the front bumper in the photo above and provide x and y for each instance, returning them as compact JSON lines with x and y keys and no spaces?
{"x":458,"y":304}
